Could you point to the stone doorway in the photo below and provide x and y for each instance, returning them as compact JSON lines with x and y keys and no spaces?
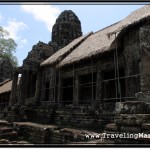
{"x":67,"y":91}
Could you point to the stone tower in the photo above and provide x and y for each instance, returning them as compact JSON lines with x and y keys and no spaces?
{"x":31,"y":70}
{"x":66,"y":29}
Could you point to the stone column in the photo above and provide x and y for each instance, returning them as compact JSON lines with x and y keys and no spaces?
{"x":59,"y":92}
{"x":52,"y":86}
{"x":99,"y":102}
{"x":13,"y":96}
{"x":23,"y":87}
{"x":38,"y":90}
{"x":76,"y":91}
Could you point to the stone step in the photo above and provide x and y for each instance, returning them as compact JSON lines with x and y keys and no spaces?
{"x":130,"y":129}
{"x":124,"y":129}
{"x":143,"y":116}
{"x":4,"y":123}
{"x":111,"y":127}
{"x":110,"y":132}
{"x":5,"y":141}
{"x":5,"y":130}
{"x":132,"y":119}
{"x":11,"y":136}
{"x":22,"y":142}
{"x":132,"y":107}
{"x":146,"y":126}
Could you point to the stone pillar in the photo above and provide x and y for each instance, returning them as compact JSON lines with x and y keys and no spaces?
{"x":38,"y":90}
{"x":59,"y":92}
{"x":52,"y":87}
{"x":23,"y":87}
{"x":13,"y":96}
{"x":76,"y":91}
{"x":99,"y":101}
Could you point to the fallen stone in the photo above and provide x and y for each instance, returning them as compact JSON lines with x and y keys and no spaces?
{"x":111,"y":127}
{"x":146,"y":126}
{"x":130,"y":129}
{"x":5,"y":130}
{"x":4,"y":141}
{"x":129,"y":119}
{"x":132,"y":107}
{"x":22,"y":142}
{"x":4,"y":123}
{"x":10,"y":135}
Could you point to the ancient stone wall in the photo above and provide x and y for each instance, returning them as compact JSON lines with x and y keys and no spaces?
{"x":49,"y":134}
{"x":98,"y":65}
{"x":31,"y":69}
{"x":145,"y":60}
{"x":38,"y":54}
{"x":131,"y":120}
{"x":143,"y":96}
{"x":132,"y":56}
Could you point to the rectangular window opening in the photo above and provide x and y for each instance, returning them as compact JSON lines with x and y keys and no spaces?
{"x":31,"y":84}
{"x":87,"y":88}
{"x":67,"y":91}
{"x":110,"y":85}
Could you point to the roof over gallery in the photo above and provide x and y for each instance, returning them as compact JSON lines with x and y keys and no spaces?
{"x":6,"y":85}
{"x":62,"y":53}
{"x":98,"y":42}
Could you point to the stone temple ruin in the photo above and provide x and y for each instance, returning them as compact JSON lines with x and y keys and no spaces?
{"x":80,"y":86}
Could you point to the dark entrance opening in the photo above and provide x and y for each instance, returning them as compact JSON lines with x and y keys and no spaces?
{"x":87,"y":88}
{"x":47,"y":84}
{"x":31,"y":84}
{"x":67,"y":91}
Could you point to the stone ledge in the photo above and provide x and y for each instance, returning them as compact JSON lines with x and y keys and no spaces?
{"x":5,"y":130}
{"x":132,"y":119}
{"x":146,"y":126}
{"x":132,"y":107}
{"x":111,"y":127}
{"x":10,"y":136}
{"x":130,"y":129}
{"x":4,"y":123}
{"x":16,"y":124}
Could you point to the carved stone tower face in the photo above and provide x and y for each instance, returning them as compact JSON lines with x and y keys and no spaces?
{"x":66,"y":29}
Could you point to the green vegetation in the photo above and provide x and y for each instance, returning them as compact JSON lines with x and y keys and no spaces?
{"x":7,"y":47}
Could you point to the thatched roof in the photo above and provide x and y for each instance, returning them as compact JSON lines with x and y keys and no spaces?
{"x":6,"y":86}
{"x":135,"y":17}
{"x":62,"y":53}
{"x":5,"y":81}
{"x":103,"y":40}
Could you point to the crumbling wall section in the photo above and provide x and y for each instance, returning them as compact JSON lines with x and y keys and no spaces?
{"x":49,"y":84}
{"x":131,"y":120}
{"x":49,"y":134}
